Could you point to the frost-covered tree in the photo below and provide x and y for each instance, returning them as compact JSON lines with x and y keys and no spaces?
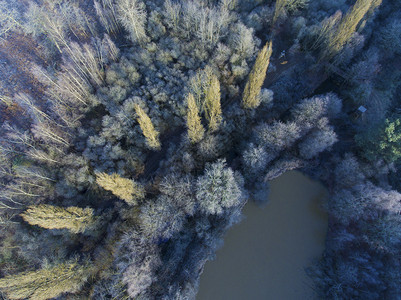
{"x":317,"y":142}
{"x":161,"y":219}
{"x":138,"y":260}
{"x":180,"y":192}
{"x":255,"y":159}
{"x":348,"y":171}
{"x":278,"y":135}
{"x":390,"y":37}
{"x":107,"y":13}
{"x":9,"y":19}
{"x":203,"y":22}
{"x":218,"y":189}
{"x":172,"y":11}
{"x":132,"y":16}
{"x":310,"y":110}
{"x":42,"y":21}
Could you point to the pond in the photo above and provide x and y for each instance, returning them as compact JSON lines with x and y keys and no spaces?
{"x":264,"y":256}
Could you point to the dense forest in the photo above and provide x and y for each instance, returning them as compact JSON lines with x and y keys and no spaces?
{"x":133,"y":132}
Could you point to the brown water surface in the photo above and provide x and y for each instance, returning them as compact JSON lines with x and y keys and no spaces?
{"x":264,"y":256}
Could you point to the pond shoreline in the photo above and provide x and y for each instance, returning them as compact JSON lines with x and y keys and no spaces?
{"x":264,"y":256}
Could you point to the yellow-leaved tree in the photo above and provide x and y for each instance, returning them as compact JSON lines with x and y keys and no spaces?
{"x":46,"y":283}
{"x":148,"y":130}
{"x":251,"y":98}
{"x":282,"y":6}
{"x":125,"y":189}
{"x":337,"y":38}
{"x":73,"y":218}
{"x":194,"y":124}
{"x":212,"y":103}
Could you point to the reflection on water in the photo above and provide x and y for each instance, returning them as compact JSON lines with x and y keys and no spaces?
{"x":264,"y":256}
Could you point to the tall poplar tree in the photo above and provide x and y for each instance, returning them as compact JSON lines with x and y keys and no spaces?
{"x":256,"y":78}
{"x":212,"y":103}
{"x":148,"y":130}
{"x":347,"y":26}
{"x":194,"y":124}
{"x":46,"y":283}
{"x":73,"y":218}
{"x":123,"y":188}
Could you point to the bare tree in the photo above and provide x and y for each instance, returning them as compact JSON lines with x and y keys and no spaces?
{"x":106,"y":11}
{"x":132,"y":15}
{"x":9,"y":19}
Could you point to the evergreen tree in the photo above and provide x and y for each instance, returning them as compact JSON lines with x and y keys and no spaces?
{"x":212,"y":103}
{"x":46,"y":283}
{"x":73,"y":218}
{"x":390,"y":143}
{"x":123,"y":188}
{"x":382,"y":141}
{"x":149,"y":131}
{"x":256,"y":78}
{"x":195,"y":128}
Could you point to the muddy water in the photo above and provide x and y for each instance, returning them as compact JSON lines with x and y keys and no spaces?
{"x":264,"y":256}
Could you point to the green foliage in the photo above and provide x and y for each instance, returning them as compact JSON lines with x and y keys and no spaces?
{"x":391,"y":141}
{"x":46,"y":283}
{"x":382,"y":141}
{"x":72,"y":218}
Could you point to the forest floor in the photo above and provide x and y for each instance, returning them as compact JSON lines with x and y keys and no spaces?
{"x":17,"y":53}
